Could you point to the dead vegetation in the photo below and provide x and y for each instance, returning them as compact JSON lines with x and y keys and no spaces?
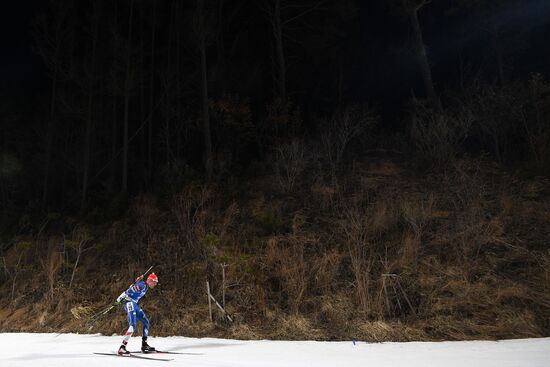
{"x":385,"y":255}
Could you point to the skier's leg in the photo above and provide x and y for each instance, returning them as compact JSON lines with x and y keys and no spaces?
{"x":145,"y":321}
{"x":142,"y":317}
{"x":130,"y":309}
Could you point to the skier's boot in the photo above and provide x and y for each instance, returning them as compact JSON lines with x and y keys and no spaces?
{"x":122,"y":350}
{"x":146,"y":348}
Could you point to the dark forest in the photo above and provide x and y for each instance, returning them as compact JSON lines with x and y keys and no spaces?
{"x":377,"y":169}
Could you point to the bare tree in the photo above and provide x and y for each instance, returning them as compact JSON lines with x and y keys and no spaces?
{"x":114,"y":90}
{"x":281,"y":14}
{"x":51,"y":265}
{"x":94,"y":24}
{"x":290,"y":161}
{"x":498,"y":112}
{"x":340,"y":130}
{"x":484,"y":11}
{"x":203,"y":29}
{"x":151,"y":93}
{"x":277,"y":26}
{"x":535,"y":121}
{"x":411,"y":9}
{"x":124,"y":187}
{"x":52,"y":37}
{"x":79,"y":244}
{"x":13,"y":263}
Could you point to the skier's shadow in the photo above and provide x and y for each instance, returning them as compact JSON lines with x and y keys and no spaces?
{"x":38,"y":356}
{"x":202,"y":346}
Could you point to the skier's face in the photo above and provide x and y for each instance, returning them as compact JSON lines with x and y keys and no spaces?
{"x":151,"y":283}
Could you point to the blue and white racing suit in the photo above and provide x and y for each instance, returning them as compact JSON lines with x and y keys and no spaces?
{"x":130,"y":298}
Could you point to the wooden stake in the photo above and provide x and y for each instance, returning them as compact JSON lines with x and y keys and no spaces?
{"x":209,"y":302}
{"x":221,"y":309}
{"x":406,"y":298}
{"x":223,"y":284}
{"x":386,"y":295}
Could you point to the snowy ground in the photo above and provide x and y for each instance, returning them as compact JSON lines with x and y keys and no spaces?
{"x":49,"y":350}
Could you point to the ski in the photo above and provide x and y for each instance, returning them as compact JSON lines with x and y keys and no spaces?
{"x":165,"y":352}
{"x":134,"y":356}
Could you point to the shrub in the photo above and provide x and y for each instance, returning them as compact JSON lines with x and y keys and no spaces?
{"x":290,"y":161}
{"x":536,"y":122}
{"x":337,"y":133}
{"x":269,"y":221}
{"x":232,"y":130}
{"x":282,"y":122}
{"x":287,"y":261}
{"x":190,"y":209}
{"x":497,"y":110}
{"x":439,"y":134}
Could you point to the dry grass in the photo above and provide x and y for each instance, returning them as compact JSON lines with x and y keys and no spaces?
{"x":243,"y":332}
{"x":468,"y":246}
{"x":381,"y":331}
{"x":51,"y":266}
{"x":81,"y":312}
{"x":296,"y":327}
{"x":286,"y":260}
{"x":325,"y":269}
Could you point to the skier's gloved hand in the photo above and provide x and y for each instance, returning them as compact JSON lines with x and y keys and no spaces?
{"x":139,"y":279}
{"x":123,"y":298}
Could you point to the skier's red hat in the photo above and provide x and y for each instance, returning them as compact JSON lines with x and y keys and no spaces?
{"x":153,"y":278}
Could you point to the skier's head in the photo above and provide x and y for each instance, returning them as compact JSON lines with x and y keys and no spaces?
{"x":152,"y":280}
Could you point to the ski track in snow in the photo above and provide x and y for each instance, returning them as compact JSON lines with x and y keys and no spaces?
{"x":49,"y":350}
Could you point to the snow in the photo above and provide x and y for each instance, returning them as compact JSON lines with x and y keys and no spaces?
{"x":49,"y":350}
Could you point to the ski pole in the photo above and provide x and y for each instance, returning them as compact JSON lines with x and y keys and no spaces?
{"x":143,"y":275}
{"x":95,"y":317}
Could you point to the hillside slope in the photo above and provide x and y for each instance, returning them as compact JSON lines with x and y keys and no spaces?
{"x":377,"y":252}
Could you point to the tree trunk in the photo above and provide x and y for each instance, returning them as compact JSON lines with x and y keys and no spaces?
{"x":124,"y":187}
{"x":50,"y":134}
{"x":114,"y":127}
{"x":88,"y":133}
{"x":114,"y":138}
{"x":171,"y":69}
{"x":498,"y":55}
{"x":279,"y":49}
{"x":151,"y":98}
{"x":208,"y":163}
{"x":423,"y":59}
{"x":220,"y":44}
{"x":142,"y":98}
{"x":340,"y":83}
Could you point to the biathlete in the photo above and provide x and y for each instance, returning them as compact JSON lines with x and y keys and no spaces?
{"x":129,"y":300}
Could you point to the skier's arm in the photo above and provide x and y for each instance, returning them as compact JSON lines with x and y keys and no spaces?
{"x":123,"y":298}
{"x":130,"y":294}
